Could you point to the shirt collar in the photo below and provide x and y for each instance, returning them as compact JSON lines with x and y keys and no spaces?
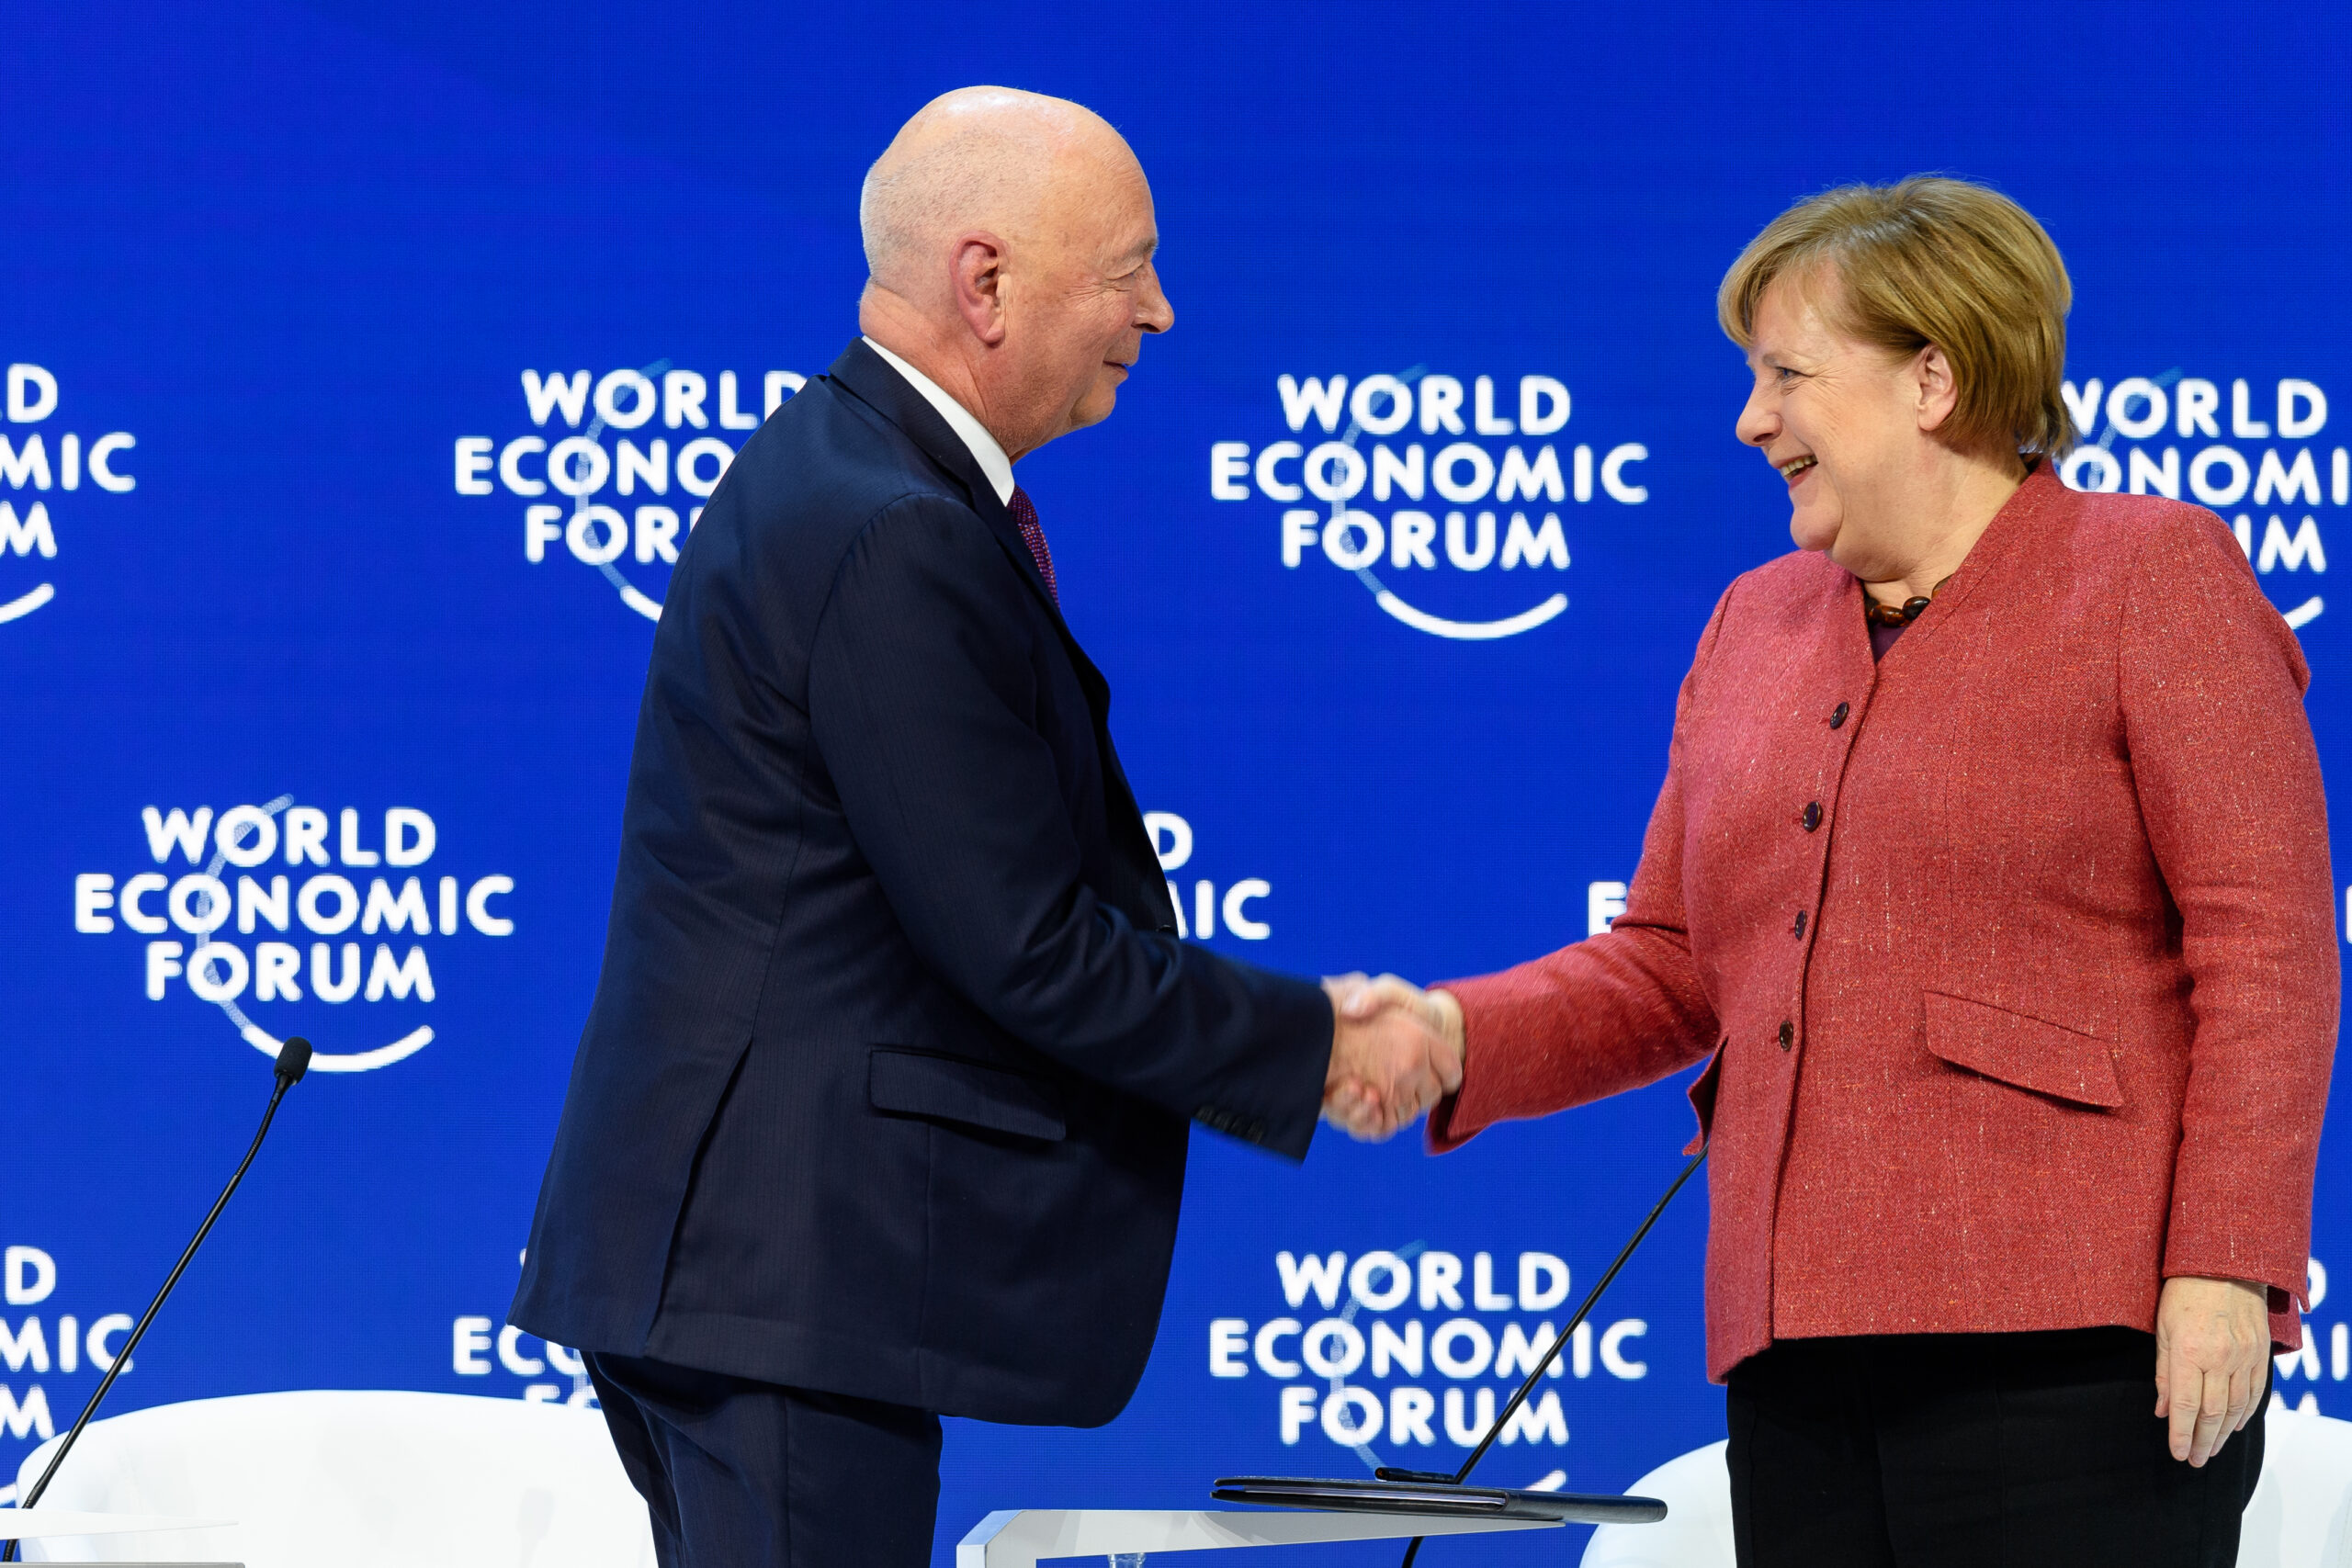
{"x":984,"y":448}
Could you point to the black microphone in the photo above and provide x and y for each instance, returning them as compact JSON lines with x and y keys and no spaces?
{"x":293,"y":1061}
{"x":1535,"y":1372}
{"x":1435,"y":1492}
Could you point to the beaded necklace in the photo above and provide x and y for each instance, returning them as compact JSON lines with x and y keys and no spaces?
{"x":1901,"y":614}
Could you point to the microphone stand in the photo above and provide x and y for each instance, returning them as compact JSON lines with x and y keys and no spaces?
{"x":1528,"y":1387}
{"x":293,"y":1061}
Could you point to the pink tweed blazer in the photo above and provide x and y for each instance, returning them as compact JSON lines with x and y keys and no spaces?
{"x":2015,"y":951}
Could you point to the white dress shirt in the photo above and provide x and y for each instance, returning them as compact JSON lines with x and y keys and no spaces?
{"x":985,"y":451}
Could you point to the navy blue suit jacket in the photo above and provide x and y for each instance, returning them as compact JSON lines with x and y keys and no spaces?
{"x":886,"y":1087}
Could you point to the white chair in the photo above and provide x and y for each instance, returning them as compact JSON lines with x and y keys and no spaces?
{"x":356,"y":1479}
{"x":2300,"y":1516}
{"x":1696,"y":1531}
{"x":2301,"y":1513}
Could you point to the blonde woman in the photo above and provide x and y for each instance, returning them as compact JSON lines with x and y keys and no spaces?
{"x":1991,"y":872}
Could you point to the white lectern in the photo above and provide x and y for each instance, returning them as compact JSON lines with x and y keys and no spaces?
{"x":1020,"y":1538}
{"x":48,"y":1523}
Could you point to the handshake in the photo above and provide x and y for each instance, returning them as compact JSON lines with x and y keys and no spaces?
{"x":1395,"y":1052}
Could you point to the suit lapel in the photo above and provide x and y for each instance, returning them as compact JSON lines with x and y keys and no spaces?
{"x":881,"y":386}
{"x":873,"y":381}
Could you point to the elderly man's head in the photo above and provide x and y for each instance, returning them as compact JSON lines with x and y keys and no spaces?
{"x":1009,"y":240}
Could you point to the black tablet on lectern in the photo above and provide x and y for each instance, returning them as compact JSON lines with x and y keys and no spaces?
{"x":1441,"y":1498}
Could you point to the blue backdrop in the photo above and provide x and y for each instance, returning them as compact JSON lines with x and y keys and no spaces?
{"x":304,"y":592}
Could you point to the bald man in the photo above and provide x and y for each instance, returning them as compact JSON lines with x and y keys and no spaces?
{"x":882,"y":1106}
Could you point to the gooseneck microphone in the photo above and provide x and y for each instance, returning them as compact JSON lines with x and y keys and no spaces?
{"x":293,"y":1061}
{"x":1519,"y":1397}
{"x":1436,"y":1492}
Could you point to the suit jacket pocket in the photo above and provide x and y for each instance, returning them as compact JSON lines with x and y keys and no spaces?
{"x":2027,"y":1053}
{"x":953,"y":1089}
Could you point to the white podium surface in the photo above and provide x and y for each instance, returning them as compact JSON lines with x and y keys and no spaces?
{"x":41,"y":1523}
{"x":1021,"y":1538}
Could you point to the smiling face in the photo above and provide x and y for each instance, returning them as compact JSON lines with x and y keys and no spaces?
{"x":1847,"y":425}
{"x":1008,"y":239}
{"x":1078,"y":296}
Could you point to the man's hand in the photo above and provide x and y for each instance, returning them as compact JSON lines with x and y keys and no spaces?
{"x":1396,"y":1050}
{"x":2213,"y":1336}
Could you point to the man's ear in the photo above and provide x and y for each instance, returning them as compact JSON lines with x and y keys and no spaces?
{"x":1938,"y":389}
{"x":976,"y":270}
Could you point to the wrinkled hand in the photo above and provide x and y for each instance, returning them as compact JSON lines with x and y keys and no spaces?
{"x":2213,"y":1336}
{"x":1396,"y":1051}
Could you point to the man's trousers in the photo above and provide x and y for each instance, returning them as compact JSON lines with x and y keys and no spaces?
{"x":744,"y":1475}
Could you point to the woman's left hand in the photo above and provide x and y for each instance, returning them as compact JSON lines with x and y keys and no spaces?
{"x":2213,"y":1336}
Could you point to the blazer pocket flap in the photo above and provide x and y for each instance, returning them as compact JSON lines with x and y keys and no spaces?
{"x":2028,"y":1052}
{"x":954,"y":1090}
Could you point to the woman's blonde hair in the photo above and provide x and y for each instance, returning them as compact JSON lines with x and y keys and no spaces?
{"x":1933,"y":260}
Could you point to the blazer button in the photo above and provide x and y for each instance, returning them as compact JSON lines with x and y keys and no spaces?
{"x":1812,"y":815}
{"x":1837,"y":715}
{"x":1788,"y":1034}
{"x":1800,"y":924}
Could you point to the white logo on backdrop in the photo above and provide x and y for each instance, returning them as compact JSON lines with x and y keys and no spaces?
{"x":475,"y":1340}
{"x":2175,"y":446}
{"x":640,"y":538}
{"x":1242,"y":904}
{"x":1410,"y":1319}
{"x":219,"y":970}
{"x":28,"y":533}
{"x":43,"y":1344}
{"x":1468,"y":465}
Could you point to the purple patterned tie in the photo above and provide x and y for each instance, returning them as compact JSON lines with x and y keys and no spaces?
{"x":1024,"y":512}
